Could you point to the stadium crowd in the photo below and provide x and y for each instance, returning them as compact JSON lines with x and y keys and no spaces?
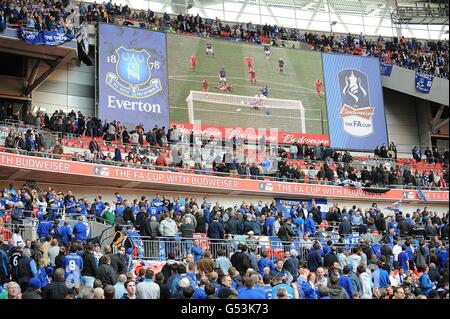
{"x":158,"y":149}
{"x":428,"y":56}
{"x":410,"y":261}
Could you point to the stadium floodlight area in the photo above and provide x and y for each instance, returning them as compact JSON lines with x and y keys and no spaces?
{"x":246,"y":111}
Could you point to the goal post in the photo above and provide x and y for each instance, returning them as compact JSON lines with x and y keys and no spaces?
{"x":246,"y":111}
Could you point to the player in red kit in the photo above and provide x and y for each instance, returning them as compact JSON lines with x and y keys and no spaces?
{"x":205,"y":85}
{"x":318,"y":84}
{"x":193,"y":62}
{"x":250,"y":61}
{"x":252,"y":76}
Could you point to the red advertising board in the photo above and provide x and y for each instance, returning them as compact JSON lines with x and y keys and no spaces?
{"x":208,"y":182}
{"x":271,"y":136}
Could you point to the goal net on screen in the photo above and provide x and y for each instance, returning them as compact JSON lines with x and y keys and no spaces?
{"x":246,"y":111}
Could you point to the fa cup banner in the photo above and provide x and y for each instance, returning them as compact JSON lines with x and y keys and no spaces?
{"x":133,"y":85}
{"x":354,"y":102}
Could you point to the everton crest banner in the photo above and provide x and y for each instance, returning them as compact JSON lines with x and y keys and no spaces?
{"x":423,"y":82}
{"x":354,"y":102}
{"x":44,"y":37}
{"x":132,"y":81}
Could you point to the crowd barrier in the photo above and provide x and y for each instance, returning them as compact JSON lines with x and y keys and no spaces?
{"x":159,"y":248}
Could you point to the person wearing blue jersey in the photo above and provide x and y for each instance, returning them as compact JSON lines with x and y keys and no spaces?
{"x":385,"y":270}
{"x":197,"y":251}
{"x":278,"y":282}
{"x":81,"y":207}
{"x":80,"y":230}
{"x":310,"y":226}
{"x":345,"y":281}
{"x":120,"y":208}
{"x":403,"y":259}
{"x":393,"y":225}
{"x":3,"y":203}
{"x":44,"y":227}
{"x":267,"y":287}
{"x":265,"y":262}
{"x":98,"y":206}
{"x":309,"y":288}
{"x":269,"y":224}
{"x":73,"y":265}
{"x":119,"y":199}
{"x":425,"y":282}
{"x":298,"y":223}
{"x":410,"y":253}
{"x":442,"y":258}
{"x":71,"y":206}
{"x":250,"y":290}
{"x":64,"y":233}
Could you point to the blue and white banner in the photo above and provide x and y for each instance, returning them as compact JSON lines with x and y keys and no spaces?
{"x":394,"y":207}
{"x":354,"y":98}
{"x":385,"y":68}
{"x":423,"y":82}
{"x":293,"y":204}
{"x":45,"y":37}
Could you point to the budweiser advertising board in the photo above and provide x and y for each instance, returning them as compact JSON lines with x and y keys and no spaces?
{"x":252,"y":134}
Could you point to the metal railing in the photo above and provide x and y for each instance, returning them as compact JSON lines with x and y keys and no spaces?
{"x":158,"y":249}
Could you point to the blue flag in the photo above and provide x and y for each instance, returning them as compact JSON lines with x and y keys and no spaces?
{"x":385,"y":68}
{"x":45,"y":37}
{"x":421,"y":195}
{"x":423,"y":82}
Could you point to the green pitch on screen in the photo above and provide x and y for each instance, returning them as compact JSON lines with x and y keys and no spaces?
{"x":301,"y":69}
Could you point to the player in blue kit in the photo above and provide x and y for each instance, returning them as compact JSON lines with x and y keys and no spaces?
{"x":222,"y":76}
{"x":73,"y":264}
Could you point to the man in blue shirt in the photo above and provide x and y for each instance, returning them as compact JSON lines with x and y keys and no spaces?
{"x":250,"y":291}
{"x":278,"y":283}
{"x":82,"y":207}
{"x":265,"y":262}
{"x":197,"y":251}
{"x":64,"y":233}
{"x":73,"y":264}
{"x":98,"y":206}
{"x":269,"y":225}
{"x":157,"y":202}
{"x":44,"y":227}
{"x":2,"y":205}
{"x":80,"y":230}
{"x":425,"y":283}
{"x":403,"y":259}
{"x":71,"y":206}
{"x":442,"y":256}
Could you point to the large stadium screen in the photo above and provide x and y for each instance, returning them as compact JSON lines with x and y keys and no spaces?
{"x":132,"y":76}
{"x":356,"y":118}
{"x":253,"y":86}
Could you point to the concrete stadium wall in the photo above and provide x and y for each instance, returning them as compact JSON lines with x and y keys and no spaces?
{"x":401,"y":119}
{"x":69,"y":88}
